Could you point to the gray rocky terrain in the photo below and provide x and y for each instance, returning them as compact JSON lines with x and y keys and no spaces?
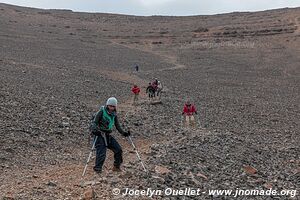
{"x":242,"y":70}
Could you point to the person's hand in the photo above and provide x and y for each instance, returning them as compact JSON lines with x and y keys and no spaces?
{"x":126,"y":134}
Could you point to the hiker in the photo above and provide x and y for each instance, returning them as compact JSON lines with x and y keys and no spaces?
{"x":136,"y":68}
{"x":136,"y":91}
{"x":103,"y":122}
{"x":189,"y":110}
{"x":155,"y":83}
{"x":159,"y":89}
{"x":150,"y":90}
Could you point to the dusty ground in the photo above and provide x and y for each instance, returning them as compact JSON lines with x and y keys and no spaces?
{"x":241,"y":69}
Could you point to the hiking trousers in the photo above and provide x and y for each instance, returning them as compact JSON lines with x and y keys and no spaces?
{"x":135,"y":98}
{"x":190,"y":119}
{"x":101,"y":149}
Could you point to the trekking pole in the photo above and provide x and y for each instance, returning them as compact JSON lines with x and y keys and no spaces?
{"x":137,"y":153}
{"x":90,"y":155}
{"x":181,"y":119}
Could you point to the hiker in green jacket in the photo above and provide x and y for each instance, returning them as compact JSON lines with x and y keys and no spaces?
{"x":103,"y":123}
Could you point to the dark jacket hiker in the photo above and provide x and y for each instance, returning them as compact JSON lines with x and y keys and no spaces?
{"x":150,"y":90}
{"x":102,"y":124}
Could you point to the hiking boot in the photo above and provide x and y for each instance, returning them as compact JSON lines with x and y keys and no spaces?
{"x":116,"y":169}
{"x":98,"y":170}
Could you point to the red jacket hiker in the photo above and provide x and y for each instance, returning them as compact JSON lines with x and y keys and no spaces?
{"x":136,"y":89}
{"x":189,"y":109}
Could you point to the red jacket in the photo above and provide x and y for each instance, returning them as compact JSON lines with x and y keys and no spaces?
{"x":189,"y":110}
{"x":136,"y":90}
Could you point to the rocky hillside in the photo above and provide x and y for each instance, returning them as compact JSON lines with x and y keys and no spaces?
{"x":240,"y":69}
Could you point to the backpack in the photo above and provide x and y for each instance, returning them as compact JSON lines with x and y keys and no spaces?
{"x":93,"y":126}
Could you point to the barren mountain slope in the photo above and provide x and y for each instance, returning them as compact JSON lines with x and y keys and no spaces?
{"x":57,"y":67}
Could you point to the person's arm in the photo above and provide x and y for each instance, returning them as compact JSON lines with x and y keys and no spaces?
{"x":98,"y":117}
{"x":95,"y":127}
{"x":184,"y":110}
{"x":118,"y":126}
{"x":195,"y":111}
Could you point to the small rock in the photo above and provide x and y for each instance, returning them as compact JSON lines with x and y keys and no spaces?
{"x":159,"y":179}
{"x":41,"y":139}
{"x":250,"y":170}
{"x":268,"y":185}
{"x":126,"y":175}
{"x":103,"y":180}
{"x":65,"y":124}
{"x":90,"y":183}
{"x":161,"y":169}
{"x":89,"y":194}
{"x":202,"y":176}
{"x":114,"y":182}
{"x":8,"y":198}
{"x":127,"y":166}
{"x":52,"y":184}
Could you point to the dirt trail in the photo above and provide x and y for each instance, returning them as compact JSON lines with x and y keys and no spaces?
{"x":142,"y":144}
{"x":133,"y":78}
{"x":166,"y":58}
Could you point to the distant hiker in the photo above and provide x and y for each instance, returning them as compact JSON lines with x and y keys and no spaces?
{"x":137,"y":68}
{"x":189,"y":110}
{"x":136,"y":91}
{"x":155,"y":83}
{"x":103,"y":123}
{"x":150,"y":90}
{"x":159,"y":89}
